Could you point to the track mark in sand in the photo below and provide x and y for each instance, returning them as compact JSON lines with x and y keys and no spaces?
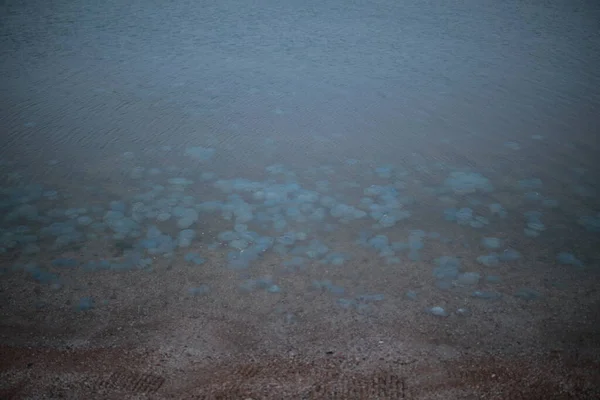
{"x":381,"y":385}
{"x":127,"y":381}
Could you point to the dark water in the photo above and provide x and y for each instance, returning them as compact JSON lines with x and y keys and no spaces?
{"x":307,"y":145}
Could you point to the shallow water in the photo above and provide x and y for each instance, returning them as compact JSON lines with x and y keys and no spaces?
{"x":295,"y":165}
